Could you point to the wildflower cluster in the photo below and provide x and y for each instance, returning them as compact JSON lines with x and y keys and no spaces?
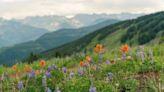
{"x":59,"y":77}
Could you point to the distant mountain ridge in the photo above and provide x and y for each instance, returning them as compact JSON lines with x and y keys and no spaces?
{"x":12,"y":32}
{"x":50,"y":23}
{"x":88,"y":19}
{"x":54,"y":22}
{"x":47,"y":41}
{"x":17,"y":31}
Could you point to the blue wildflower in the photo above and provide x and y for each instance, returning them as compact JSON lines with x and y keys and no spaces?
{"x":92,"y":89}
{"x":124,"y":56}
{"x":20,"y":85}
{"x":32,"y":74}
{"x":142,"y":53}
{"x":64,"y":70}
{"x":48,"y":90}
{"x":48,"y":74}
{"x":108,"y":62}
{"x":57,"y":89}
{"x":49,"y":68}
{"x":71,"y":74}
{"x":80,"y":72}
{"x":54,"y":67}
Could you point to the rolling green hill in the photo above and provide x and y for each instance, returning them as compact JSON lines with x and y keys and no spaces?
{"x":18,"y":52}
{"x":148,"y":29}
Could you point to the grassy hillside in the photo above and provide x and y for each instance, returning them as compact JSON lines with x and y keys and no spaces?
{"x":148,"y":29}
{"x":139,"y":69}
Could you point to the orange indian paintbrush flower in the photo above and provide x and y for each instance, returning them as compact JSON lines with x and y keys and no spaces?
{"x":18,"y":72}
{"x":42,"y":63}
{"x":14,"y":67}
{"x":26,"y":68}
{"x":99,"y":48}
{"x":88,"y":59}
{"x":124,"y":48}
{"x":81,"y":63}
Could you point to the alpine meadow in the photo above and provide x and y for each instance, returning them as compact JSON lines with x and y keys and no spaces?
{"x":81,"y":46}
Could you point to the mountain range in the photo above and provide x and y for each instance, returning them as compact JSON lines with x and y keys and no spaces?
{"x":145,"y":30}
{"x":91,"y":19}
{"x":55,"y":22}
{"x":50,"y":23}
{"x":10,"y":55}
{"x":12,"y":32}
{"x":17,"y":31}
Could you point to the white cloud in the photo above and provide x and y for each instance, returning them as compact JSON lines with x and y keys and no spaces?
{"x":22,"y":8}
{"x":10,"y":1}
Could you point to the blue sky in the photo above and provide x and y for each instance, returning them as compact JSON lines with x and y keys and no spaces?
{"x":22,"y":8}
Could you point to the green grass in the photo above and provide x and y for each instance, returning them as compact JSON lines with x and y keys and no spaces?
{"x":130,"y":75}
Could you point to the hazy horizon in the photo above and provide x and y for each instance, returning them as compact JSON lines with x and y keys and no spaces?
{"x":23,"y":8}
{"x":71,"y":16}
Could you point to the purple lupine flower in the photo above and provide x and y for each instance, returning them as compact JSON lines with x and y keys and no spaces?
{"x":64,"y":70}
{"x":48,"y":90}
{"x":57,"y":89}
{"x":110,"y":76}
{"x":54,"y":67}
{"x":142,"y":53}
{"x":20,"y":85}
{"x":49,"y":68}
{"x":124,"y":56}
{"x":80,"y":72}
{"x":71,"y":74}
{"x":92,"y":89}
{"x":32,"y":74}
{"x":108,"y":62}
{"x":48,"y":74}
{"x":44,"y":81}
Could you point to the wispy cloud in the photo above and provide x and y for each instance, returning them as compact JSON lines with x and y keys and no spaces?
{"x":22,"y":8}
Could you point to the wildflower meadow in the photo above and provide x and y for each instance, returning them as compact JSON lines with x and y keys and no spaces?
{"x":123,"y":69}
